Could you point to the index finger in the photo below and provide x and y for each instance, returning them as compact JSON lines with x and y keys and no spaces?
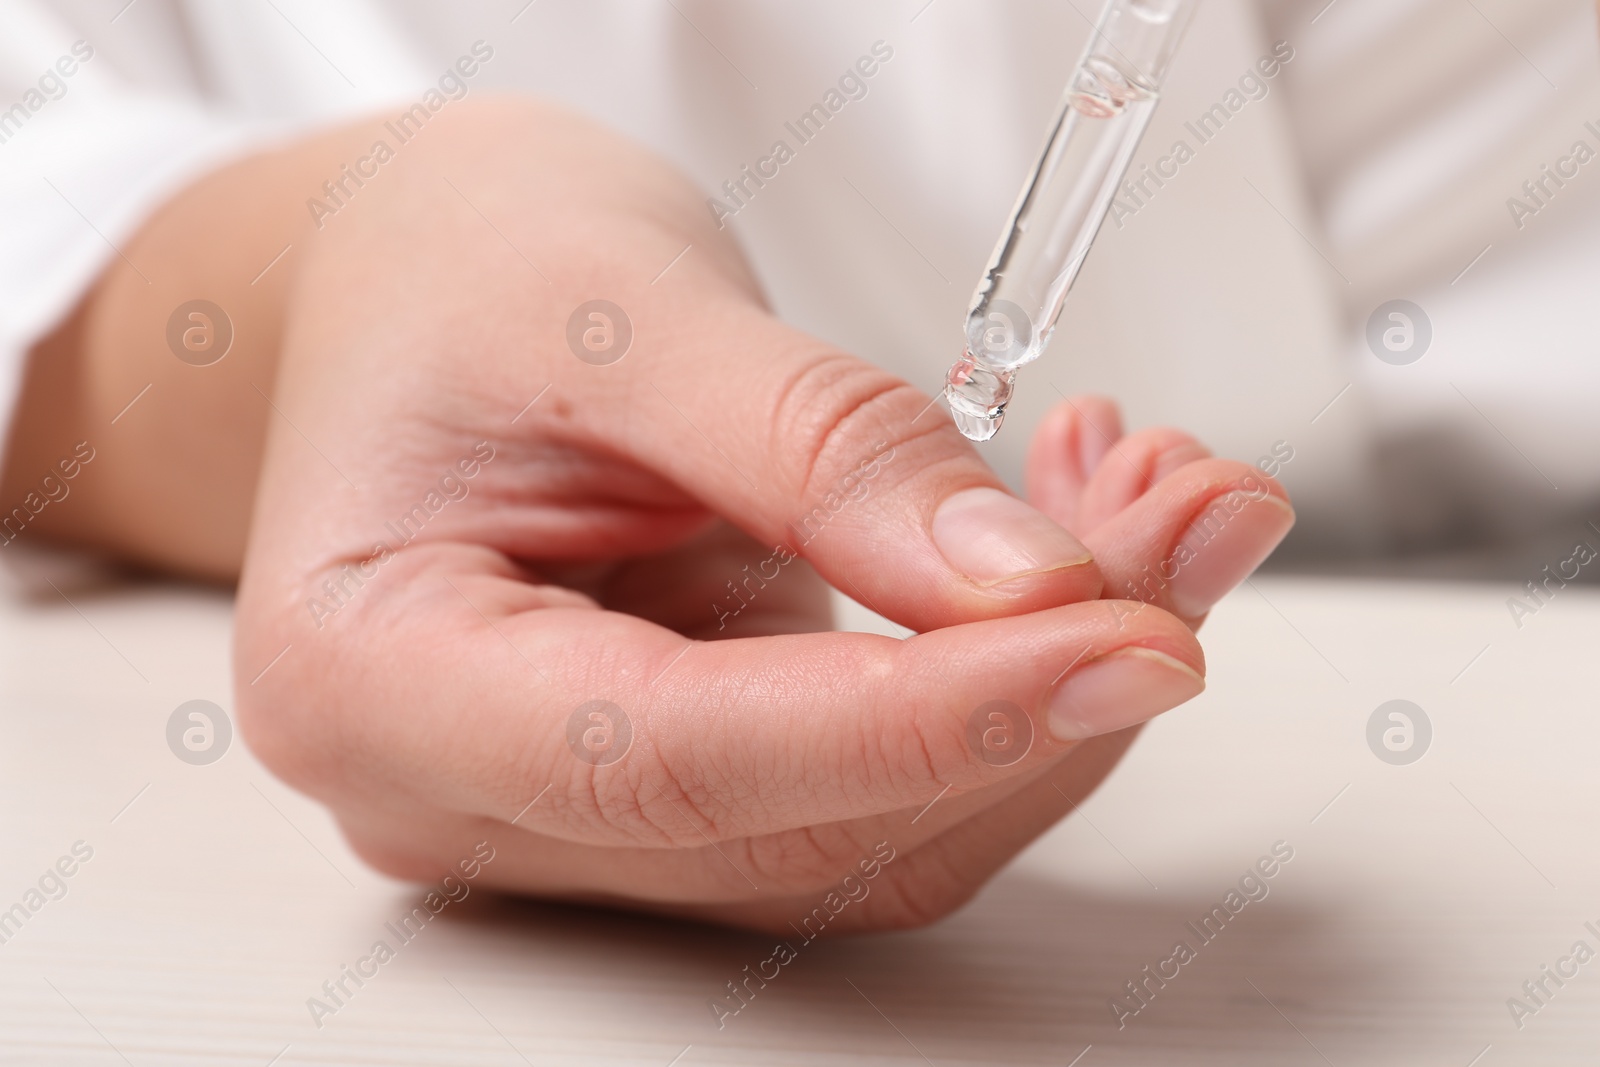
{"x":460,"y":688}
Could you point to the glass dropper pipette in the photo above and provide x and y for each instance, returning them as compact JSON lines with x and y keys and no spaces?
{"x":1107,"y":105}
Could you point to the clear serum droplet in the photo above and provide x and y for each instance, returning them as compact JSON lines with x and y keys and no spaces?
{"x":978,"y":396}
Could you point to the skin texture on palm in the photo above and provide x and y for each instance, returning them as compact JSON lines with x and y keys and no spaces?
{"x":413,"y":329}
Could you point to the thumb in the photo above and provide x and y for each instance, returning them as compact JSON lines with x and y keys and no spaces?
{"x":827,"y":457}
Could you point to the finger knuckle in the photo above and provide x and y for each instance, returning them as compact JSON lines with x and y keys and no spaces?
{"x":835,"y":415}
{"x":921,"y":750}
{"x":808,"y":859}
{"x":919,"y":891}
{"x":656,"y":806}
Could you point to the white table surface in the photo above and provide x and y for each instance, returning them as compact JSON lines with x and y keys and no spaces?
{"x":1417,"y":902}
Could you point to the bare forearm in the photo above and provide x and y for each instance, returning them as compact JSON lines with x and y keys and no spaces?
{"x":177,"y":446}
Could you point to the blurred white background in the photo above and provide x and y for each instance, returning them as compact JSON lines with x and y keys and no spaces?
{"x":1377,"y":166}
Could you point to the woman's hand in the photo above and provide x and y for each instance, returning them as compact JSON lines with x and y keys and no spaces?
{"x":535,"y":664}
{"x":509,"y":577}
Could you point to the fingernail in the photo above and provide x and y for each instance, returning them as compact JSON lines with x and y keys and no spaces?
{"x":1120,"y":689}
{"x":1226,"y":542}
{"x":990,"y":536}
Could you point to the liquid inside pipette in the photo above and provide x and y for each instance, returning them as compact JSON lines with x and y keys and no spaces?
{"x":1061,"y":209}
